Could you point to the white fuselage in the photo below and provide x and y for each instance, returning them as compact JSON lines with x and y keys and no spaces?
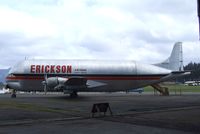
{"x":101,"y":75}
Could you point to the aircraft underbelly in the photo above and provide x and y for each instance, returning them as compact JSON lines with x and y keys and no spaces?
{"x":109,"y":85}
{"x":31,"y":85}
{"x":121,"y":85}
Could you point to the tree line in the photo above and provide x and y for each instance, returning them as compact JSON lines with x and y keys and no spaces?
{"x":195,"y":72}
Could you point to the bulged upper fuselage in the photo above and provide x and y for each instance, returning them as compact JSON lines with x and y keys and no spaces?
{"x":116,"y":75}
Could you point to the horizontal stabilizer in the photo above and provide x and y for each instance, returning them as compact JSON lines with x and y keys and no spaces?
{"x":174,"y":75}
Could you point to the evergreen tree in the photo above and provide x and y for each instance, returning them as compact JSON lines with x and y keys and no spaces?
{"x":195,"y":72}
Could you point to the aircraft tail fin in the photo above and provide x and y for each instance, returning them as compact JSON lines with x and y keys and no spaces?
{"x":175,"y":61}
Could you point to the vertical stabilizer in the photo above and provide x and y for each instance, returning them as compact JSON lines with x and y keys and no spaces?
{"x":175,"y":61}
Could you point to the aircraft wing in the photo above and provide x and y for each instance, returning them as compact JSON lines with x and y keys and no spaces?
{"x":92,"y":84}
{"x":82,"y":82}
{"x":76,"y":81}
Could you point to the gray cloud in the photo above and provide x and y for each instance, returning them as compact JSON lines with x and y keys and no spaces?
{"x":97,"y":29}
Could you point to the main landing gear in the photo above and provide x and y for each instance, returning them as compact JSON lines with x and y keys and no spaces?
{"x":74,"y":94}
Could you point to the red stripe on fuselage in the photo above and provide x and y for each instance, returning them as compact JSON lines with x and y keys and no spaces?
{"x":91,"y":77}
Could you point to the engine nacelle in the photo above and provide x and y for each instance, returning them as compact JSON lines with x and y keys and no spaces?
{"x":52,"y":82}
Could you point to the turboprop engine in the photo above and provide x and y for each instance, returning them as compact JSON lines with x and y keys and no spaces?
{"x":53,"y":82}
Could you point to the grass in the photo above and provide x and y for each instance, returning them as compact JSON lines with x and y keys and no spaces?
{"x":176,"y":88}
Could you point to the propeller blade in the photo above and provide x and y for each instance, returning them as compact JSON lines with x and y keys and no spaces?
{"x":45,"y":83}
{"x":45,"y":89}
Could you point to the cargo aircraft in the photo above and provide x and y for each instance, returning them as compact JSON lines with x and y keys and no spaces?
{"x":72,"y":76}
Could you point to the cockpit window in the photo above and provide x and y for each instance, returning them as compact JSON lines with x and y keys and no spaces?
{"x":10,"y":75}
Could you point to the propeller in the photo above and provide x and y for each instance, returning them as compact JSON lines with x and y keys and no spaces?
{"x":45,"y":83}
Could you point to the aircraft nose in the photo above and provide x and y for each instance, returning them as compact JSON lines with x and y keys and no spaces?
{"x":13,"y":85}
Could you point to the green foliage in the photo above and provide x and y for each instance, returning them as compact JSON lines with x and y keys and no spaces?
{"x":195,"y":72}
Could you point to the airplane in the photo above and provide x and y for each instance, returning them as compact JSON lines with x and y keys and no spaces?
{"x":72,"y":76}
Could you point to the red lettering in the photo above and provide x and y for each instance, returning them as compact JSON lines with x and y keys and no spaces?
{"x":69,"y":69}
{"x":32,"y":69}
{"x":47,"y":69}
{"x":37,"y":69}
{"x":58,"y":69}
{"x":52,"y":68}
{"x":42,"y":69}
{"x":63,"y":69}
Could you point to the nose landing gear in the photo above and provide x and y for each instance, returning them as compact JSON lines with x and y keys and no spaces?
{"x":13,"y":94}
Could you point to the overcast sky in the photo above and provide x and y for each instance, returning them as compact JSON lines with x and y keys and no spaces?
{"x":141,"y":30}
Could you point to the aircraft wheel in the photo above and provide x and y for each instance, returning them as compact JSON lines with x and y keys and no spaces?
{"x":13,"y":96}
{"x":73,"y":95}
